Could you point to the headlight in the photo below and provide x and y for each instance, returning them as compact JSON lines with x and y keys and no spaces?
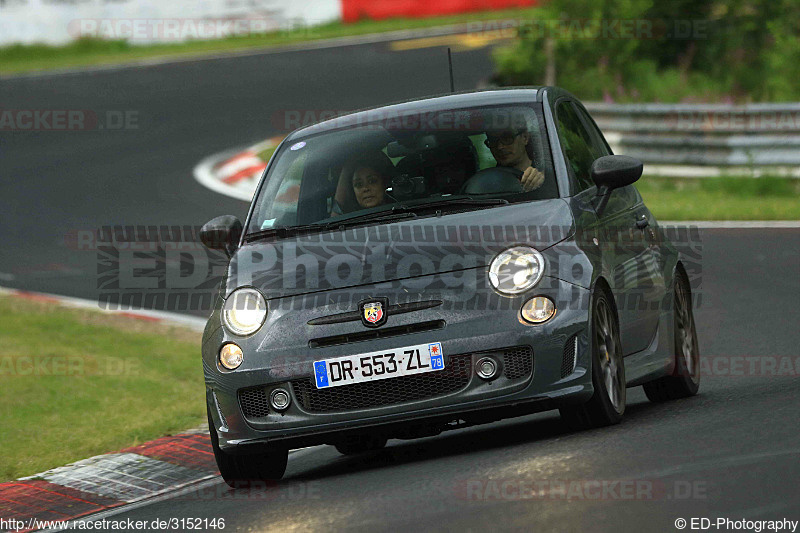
{"x":516,"y":270}
{"x":538,"y":310}
{"x":244,"y":311}
{"x":231,"y":356}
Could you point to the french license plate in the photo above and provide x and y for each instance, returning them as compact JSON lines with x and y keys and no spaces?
{"x":383,"y":364}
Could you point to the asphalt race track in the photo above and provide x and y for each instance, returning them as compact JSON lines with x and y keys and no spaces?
{"x":733,"y":451}
{"x":74,"y":181}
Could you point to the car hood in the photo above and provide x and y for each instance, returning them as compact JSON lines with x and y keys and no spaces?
{"x":401,"y":250}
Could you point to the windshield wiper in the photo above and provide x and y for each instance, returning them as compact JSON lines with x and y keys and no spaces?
{"x":397,"y":212}
{"x":284,"y":231}
{"x":445,"y":202}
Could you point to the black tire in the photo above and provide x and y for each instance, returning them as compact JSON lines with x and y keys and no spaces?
{"x":607,"y":404}
{"x":685,"y":378}
{"x":360,"y":444}
{"x":245,"y":471}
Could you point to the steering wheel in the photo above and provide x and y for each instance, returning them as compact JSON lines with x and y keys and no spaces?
{"x":495,"y":180}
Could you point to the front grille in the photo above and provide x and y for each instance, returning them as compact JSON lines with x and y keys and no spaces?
{"x":373,"y":334}
{"x":517,"y":362}
{"x":454,"y":377}
{"x":254,"y":402}
{"x":568,"y":360}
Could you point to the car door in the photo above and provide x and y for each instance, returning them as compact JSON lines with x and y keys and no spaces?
{"x":625,"y":247}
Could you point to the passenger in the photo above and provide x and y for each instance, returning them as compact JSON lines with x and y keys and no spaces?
{"x":362,"y":183}
{"x":513,"y":148}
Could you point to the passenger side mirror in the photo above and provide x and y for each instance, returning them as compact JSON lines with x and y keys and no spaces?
{"x":222,"y":233}
{"x":613,"y":172}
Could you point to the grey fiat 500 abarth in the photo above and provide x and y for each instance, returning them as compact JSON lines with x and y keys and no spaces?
{"x":436,"y":264}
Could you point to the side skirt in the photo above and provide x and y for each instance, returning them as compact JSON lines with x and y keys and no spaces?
{"x":657,"y":359}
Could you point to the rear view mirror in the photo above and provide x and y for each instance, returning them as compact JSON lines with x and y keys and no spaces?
{"x":222,"y":233}
{"x":395,"y":149}
{"x":613,"y":172}
{"x":420,"y":143}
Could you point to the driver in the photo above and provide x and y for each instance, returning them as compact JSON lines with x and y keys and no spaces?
{"x":513,"y":148}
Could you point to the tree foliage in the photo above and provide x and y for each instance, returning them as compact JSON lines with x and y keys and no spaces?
{"x":650,"y":50}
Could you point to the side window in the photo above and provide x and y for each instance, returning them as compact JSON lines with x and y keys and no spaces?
{"x":579,"y":150}
{"x":599,"y":144}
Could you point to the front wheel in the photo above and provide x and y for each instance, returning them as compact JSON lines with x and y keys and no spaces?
{"x":607,"y":404}
{"x":243,"y":471}
{"x":685,"y":378}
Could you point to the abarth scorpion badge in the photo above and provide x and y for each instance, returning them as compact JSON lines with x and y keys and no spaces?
{"x":373,"y":312}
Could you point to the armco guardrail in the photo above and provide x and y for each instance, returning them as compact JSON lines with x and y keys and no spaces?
{"x":761,"y":138}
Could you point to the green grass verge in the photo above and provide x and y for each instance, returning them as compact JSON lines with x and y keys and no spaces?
{"x":88,"y":52}
{"x":722,"y":198}
{"x":77,"y":383}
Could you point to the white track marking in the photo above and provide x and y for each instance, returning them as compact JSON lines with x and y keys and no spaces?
{"x":205,"y":175}
{"x":124,"y":477}
{"x":197,"y":486}
{"x":733,"y":224}
{"x":176,"y":319}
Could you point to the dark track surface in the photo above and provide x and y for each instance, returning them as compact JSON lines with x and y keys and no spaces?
{"x":737,"y":441}
{"x":732,"y":451}
{"x":55,"y":183}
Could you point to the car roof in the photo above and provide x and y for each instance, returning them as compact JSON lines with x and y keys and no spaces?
{"x":474,"y":98}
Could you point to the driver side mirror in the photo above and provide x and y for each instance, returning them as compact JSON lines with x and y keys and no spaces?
{"x":613,"y":172}
{"x":222,"y":233}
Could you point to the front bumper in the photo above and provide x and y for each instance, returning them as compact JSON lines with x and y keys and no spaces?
{"x":280,"y":354}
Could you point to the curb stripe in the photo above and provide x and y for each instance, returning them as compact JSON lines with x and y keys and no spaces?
{"x":192,"y":450}
{"x":105,"y":482}
{"x":246,"y":172}
{"x":50,"y":500}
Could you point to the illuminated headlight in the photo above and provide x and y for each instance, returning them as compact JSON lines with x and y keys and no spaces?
{"x":230,"y":356}
{"x":516,"y":270}
{"x":244,"y":311}
{"x":538,"y":310}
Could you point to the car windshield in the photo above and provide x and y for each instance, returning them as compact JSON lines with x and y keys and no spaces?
{"x":405,"y":165}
